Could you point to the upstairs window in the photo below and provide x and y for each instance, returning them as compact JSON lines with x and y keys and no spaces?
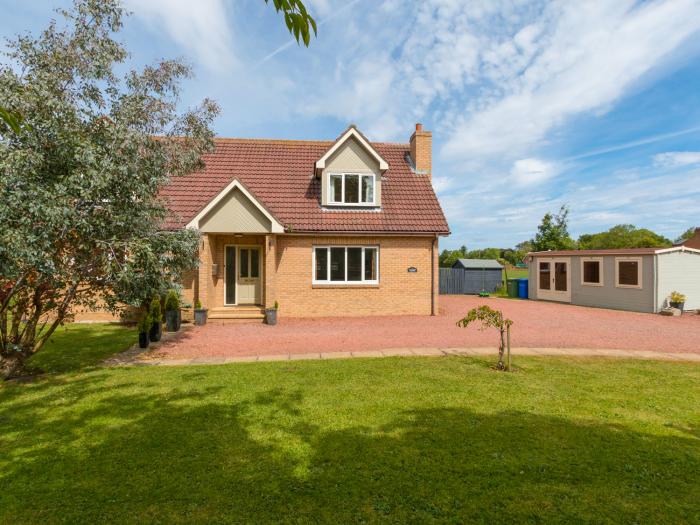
{"x":352,"y":189}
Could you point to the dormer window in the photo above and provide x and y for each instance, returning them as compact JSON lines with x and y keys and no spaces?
{"x":352,"y":189}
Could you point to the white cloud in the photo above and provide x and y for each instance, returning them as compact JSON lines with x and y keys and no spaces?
{"x":200,"y":28}
{"x":677,"y":158}
{"x":527,"y":172}
{"x":507,"y":215}
{"x":589,"y":56}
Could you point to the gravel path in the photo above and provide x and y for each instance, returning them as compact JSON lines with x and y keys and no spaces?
{"x":536,"y":325}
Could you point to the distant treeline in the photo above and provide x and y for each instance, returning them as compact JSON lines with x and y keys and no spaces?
{"x":552,"y":234}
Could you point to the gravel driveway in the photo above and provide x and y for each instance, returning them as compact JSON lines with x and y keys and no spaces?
{"x":536,"y":324}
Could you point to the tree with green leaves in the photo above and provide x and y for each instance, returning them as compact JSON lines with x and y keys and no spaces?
{"x":79,"y":179}
{"x":299,"y":22}
{"x":553,"y":232}
{"x":623,"y":236}
{"x":448,"y":257}
{"x":490,"y":318}
{"x":687,"y":234}
{"x":84,"y":152}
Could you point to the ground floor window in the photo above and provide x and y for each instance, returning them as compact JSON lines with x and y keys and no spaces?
{"x":592,"y":272}
{"x":346,"y":264}
{"x":628,"y":272}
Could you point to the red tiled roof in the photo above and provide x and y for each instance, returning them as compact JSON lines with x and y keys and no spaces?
{"x":692,"y":242}
{"x":280,"y":174}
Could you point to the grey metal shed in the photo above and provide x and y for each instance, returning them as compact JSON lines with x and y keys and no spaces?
{"x":471,"y":276}
{"x":635,"y":279}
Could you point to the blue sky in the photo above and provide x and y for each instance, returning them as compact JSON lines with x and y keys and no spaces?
{"x":532,"y":104}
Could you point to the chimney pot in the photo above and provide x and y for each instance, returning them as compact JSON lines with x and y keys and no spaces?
{"x":419,"y":126}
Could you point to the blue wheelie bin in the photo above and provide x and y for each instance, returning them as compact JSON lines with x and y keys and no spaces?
{"x":522,"y":288}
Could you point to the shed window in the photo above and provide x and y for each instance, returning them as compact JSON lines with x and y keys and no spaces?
{"x":545,"y":276}
{"x":345,"y":264}
{"x":628,"y":272}
{"x":353,"y":189}
{"x":592,"y":272}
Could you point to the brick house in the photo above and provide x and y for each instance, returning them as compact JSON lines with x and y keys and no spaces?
{"x":325,"y":228}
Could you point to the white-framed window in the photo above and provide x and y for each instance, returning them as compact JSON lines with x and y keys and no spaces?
{"x":352,"y":189}
{"x":345,"y":265}
{"x":628,"y":272}
{"x":592,"y":271}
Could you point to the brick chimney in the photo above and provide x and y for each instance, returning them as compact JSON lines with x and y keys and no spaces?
{"x":422,"y":150}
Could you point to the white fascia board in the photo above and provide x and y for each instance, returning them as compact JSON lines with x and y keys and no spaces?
{"x":352,"y":132}
{"x":677,"y":249}
{"x":276,"y":227}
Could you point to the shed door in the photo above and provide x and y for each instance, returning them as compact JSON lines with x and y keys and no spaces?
{"x":554,"y":279}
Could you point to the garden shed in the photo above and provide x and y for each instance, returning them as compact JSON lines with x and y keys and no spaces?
{"x":471,"y":276}
{"x":635,"y":279}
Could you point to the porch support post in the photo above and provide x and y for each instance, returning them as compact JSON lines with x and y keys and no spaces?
{"x":204,"y":273}
{"x":270,"y":278}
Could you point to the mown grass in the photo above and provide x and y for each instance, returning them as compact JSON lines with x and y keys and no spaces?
{"x":396,"y":440}
{"x":516,"y":273}
{"x":79,"y":346}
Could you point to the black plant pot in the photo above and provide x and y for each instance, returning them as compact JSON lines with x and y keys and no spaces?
{"x":156,"y":331}
{"x":200,"y":317}
{"x":271,"y":316}
{"x":680,"y":306}
{"x":144,"y":340}
{"x":179,"y":318}
{"x":172,"y":320}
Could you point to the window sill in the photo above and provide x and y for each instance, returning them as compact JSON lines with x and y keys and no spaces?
{"x":351,"y":207}
{"x":345,"y":285}
{"x":629,"y":286}
{"x":593,"y":284}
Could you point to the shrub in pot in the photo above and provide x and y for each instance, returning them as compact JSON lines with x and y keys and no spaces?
{"x":156,"y":316}
{"x":143,"y":327}
{"x":271,"y":314}
{"x":677,"y":300}
{"x":200,"y":314}
{"x":172,"y":311}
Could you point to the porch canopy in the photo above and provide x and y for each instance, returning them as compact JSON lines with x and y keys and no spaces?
{"x":237,"y":253}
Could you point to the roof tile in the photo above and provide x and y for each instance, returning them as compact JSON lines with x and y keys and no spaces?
{"x":280,"y":174}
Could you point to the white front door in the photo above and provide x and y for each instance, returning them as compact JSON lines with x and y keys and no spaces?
{"x":554,"y":279}
{"x":249,"y":289}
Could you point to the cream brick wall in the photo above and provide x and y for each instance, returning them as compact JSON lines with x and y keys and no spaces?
{"x":398,"y":291}
{"x":287,"y":277}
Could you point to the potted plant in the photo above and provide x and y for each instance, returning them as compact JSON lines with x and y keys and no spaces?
{"x":143,"y":327}
{"x":172,"y":311}
{"x":156,"y":316}
{"x":271,"y":314}
{"x":186,"y":313}
{"x":677,"y":300}
{"x":200,"y":314}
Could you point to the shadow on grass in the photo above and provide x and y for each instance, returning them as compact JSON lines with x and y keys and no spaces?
{"x":143,"y":455}
{"x":75,"y":347}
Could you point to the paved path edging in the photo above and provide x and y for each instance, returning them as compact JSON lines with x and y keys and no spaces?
{"x":140,"y":359}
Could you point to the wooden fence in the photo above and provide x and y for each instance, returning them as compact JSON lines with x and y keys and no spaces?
{"x":456,"y":281}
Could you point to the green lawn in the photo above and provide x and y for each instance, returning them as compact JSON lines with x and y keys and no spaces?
{"x":399,"y":440}
{"x":79,"y":346}
{"x":518,"y":273}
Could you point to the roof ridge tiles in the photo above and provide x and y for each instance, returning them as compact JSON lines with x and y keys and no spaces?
{"x":302,"y":142}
